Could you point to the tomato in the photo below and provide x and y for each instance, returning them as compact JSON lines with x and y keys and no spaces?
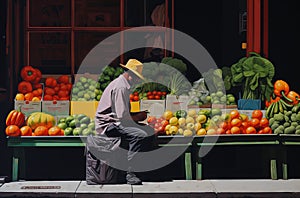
{"x":157,"y":125}
{"x":136,"y":93}
{"x":164,"y":123}
{"x":131,"y":96}
{"x":235,"y":130}
{"x":223,"y":125}
{"x":257,"y":114}
{"x":267,"y":130}
{"x":236,"y":122}
{"x":251,"y":130}
{"x":136,"y":98}
{"x":260,"y":131}
{"x":164,"y":93}
{"x":150,"y":97}
{"x":151,"y":119}
{"x":234,"y":114}
{"x":159,"y":93}
{"x":157,"y":97}
{"x":160,"y":119}
{"x":264,"y":122}
{"x":154,"y":92}
{"x":254,"y":122}
{"x":221,"y":131}
{"x":149,"y":93}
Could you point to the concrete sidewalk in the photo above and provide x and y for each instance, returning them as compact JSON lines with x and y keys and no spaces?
{"x":178,"y":188}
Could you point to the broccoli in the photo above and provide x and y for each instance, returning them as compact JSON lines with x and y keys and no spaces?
{"x":175,"y":63}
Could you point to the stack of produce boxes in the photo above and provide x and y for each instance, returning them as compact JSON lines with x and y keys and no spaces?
{"x":30,"y":91}
{"x":56,"y":97}
{"x":84,"y":95}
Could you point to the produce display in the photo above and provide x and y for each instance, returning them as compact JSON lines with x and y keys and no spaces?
{"x":283,"y":109}
{"x":108,"y":74}
{"x":57,"y":89}
{"x":30,"y":87}
{"x":209,"y":122}
{"x":85,"y":90}
{"x":166,"y":76}
{"x":77,"y":124}
{"x":254,"y":74}
{"x":210,"y":90}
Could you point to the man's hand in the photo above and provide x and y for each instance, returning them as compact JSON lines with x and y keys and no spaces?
{"x":139,"y":116}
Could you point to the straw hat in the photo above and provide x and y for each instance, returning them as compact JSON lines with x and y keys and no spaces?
{"x":135,"y":66}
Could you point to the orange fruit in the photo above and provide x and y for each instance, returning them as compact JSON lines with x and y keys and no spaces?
{"x":35,"y":93}
{"x":251,"y":130}
{"x":223,"y":125}
{"x":236,"y":122}
{"x":12,"y":130}
{"x":264,"y":122}
{"x":257,"y":114}
{"x":26,"y":131}
{"x":35,"y":98}
{"x":55,"y":130}
{"x":220,"y":131}
{"x":254,"y":122}
{"x":235,"y":130}
{"x":41,"y":131}
{"x":234,"y":114}
{"x":40,"y":91}
{"x":267,"y":130}
{"x":28,"y":96}
{"x":20,"y":96}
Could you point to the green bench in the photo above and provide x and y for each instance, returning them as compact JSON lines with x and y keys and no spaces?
{"x":18,"y":144}
{"x":275,"y":149}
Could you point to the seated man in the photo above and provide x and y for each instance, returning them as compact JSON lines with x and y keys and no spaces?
{"x":113,"y":117}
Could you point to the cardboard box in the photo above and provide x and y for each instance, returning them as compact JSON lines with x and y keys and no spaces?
{"x":174,"y":103}
{"x":28,"y":107}
{"x":155,"y":107}
{"x":55,"y":108}
{"x":88,"y":108}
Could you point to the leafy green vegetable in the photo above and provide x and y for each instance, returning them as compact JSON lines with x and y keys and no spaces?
{"x":254,"y":74}
{"x":176,"y":63}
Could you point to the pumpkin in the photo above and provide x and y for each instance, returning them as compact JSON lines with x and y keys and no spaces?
{"x":12,"y":130}
{"x":15,"y":117}
{"x":40,"y":119}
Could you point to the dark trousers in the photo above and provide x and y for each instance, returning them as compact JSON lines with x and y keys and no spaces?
{"x":137,"y":139}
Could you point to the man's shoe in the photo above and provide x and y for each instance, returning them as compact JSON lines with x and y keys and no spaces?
{"x":132,"y":179}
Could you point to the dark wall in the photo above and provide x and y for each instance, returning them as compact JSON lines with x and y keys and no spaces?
{"x":284,"y":40}
{"x":215,"y":25}
{"x":5,"y":160}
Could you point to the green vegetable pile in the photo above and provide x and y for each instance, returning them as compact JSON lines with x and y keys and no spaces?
{"x":176,"y":63}
{"x":168,"y":75}
{"x":107,"y":75}
{"x":287,"y":122}
{"x":77,"y":124}
{"x":254,"y":74}
{"x":84,"y":89}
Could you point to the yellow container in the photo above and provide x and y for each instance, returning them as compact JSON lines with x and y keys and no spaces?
{"x":88,"y":108}
{"x":135,"y":106}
